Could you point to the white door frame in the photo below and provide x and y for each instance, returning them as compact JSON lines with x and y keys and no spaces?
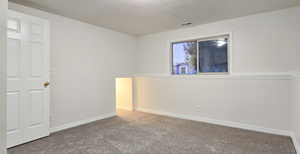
{"x":3,"y":11}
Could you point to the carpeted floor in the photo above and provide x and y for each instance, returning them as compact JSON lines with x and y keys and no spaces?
{"x":141,"y":133}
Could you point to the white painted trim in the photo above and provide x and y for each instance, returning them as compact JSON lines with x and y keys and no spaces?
{"x":81,"y":122}
{"x":296,"y":77}
{"x":219,"y":122}
{"x":3,"y":37}
{"x":125,"y":108}
{"x":233,"y":76}
{"x":296,"y":143}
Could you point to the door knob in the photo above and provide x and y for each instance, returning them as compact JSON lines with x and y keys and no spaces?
{"x":46,"y":84}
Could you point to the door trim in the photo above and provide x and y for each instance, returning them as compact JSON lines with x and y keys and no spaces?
{"x":3,"y":16}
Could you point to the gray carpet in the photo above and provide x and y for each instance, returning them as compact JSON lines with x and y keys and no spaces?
{"x":141,"y":133}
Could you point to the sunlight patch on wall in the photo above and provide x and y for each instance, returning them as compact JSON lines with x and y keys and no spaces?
{"x":124,"y":94}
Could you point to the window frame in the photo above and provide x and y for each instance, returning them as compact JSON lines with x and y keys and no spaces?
{"x":206,"y":38}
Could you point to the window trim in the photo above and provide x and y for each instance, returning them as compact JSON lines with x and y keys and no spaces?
{"x":199,"y":39}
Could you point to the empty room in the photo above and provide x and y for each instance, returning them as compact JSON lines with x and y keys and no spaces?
{"x":149,"y":77}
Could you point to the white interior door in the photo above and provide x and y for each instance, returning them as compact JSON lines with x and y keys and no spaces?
{"x":27,"y":73}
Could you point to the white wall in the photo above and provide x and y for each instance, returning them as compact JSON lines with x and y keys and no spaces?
{"x":258,"y":103}
{"x":261,"y":44}
{"x":3,"y":9}
{"x":85,"y":59}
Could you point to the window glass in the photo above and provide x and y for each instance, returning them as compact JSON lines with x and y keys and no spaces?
{"x":213,"y":55}
{"x":184,"y":57}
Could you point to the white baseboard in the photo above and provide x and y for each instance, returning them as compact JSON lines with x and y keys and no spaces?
{"x":296,"y":143}
{"x":125,"y":108}
{"x":219,"y":122}
{"x":81,"y":122}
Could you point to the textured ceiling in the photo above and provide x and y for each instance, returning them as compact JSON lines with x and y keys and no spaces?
{"x":139,"y":17}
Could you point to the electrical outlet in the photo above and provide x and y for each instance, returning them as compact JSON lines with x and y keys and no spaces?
{"x":198,"y":108}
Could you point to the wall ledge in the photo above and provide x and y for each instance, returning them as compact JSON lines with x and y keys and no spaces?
{"x":232,"y":76}
{"x":296,"y":77}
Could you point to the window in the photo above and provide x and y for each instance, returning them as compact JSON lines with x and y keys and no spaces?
{"x":185,"y":57}
{"x":200,"y":56}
